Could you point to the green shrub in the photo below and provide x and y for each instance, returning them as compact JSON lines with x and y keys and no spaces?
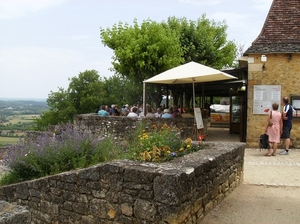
{"x":159,"y":145}
{"x":70,"y":149}
{"x":51,"y":155}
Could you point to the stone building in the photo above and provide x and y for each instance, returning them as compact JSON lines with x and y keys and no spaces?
{"x":274,"y":60}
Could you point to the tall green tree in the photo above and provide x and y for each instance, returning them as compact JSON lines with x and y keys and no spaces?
{"x":121,"y":90}
{"x":85,"y":94}
{"x":142,"y":51}
{"x":204,"y":41}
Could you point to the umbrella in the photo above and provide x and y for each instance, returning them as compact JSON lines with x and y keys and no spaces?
{"x":191,"y":72}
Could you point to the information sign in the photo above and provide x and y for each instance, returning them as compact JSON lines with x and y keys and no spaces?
{"x":264,"y":96}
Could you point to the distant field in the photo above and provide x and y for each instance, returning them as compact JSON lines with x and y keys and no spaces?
{"x":8,"y":140}
{"x":21,"y":118}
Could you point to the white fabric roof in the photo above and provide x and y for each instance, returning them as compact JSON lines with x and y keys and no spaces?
{"x":191,"y":72}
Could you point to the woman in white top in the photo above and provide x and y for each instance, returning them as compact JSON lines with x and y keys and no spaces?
{"x":133,"y":113}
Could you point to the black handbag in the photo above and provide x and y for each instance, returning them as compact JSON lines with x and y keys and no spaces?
{"x":264,"y":142}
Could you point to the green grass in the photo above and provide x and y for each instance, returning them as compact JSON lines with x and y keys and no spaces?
{"x":8,"y":140}
{"x":21,"y":118}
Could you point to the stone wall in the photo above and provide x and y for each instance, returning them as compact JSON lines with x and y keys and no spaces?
{"x":180,"y":191}
{"x":120,"y":126}
{"x":12,"y":214}
{"x":278,"y":70}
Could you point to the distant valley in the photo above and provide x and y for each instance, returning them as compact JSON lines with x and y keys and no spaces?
{"x":17,"y":116}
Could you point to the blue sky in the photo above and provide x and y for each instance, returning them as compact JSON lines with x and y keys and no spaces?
{"x":45,"y":42}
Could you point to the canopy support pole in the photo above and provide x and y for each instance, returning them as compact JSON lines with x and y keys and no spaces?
{"x":194,"y":103}
{"x":144,"y":98}
{"x":167,"y":99}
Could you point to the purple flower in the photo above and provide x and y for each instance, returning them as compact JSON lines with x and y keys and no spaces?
{"x":173,"y":154}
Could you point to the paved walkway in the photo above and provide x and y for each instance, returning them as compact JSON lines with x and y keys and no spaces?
{"x":270,"y":193}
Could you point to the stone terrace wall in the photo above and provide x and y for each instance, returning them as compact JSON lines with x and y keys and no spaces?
{"x":180,"y":191}
{"x":120,"y":126}
{"x":13,"y":214}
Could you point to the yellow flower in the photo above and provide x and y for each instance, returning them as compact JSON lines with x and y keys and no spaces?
{"x":181,"y":149}
{"x":166,"y":148}
{"x":147,"y":156}
{"x":188,"y":141}
{"x":155,"y":150}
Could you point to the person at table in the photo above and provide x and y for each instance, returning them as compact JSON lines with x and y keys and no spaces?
{"x":150,"y":114}
{"x":133,"y":113}
{"x":102,"y":112}
{"x":167,"y":114}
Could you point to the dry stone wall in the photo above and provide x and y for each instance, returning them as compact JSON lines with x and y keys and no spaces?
{"x":121,"y":126}
{"x":13,"y":214}
{"x":180,"y":191}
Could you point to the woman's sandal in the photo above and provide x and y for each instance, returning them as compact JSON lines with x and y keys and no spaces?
{"x":273,"y":154}
{"x":267,"y":155}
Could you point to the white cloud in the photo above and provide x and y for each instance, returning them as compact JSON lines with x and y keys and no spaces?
{"x":19,"y":8}
{"x":201,"y":2}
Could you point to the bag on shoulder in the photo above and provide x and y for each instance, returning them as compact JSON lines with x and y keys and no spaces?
{"x":264,"y":141}
{"x":270,"y":124}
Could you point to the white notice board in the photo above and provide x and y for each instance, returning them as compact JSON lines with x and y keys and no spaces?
{"x":264,"y":96}
{"x":198,"y":117}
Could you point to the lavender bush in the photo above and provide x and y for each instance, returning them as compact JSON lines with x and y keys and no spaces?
{"x":70,"y":149}
{"x":67,"y":150}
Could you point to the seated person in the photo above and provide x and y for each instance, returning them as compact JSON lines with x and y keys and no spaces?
{"x":110,"y":111}
{"x":171,"y":111}
{"x":158,"y":113}
{"x":116,"y":109}
{"x":125,"y":110}
{"x":166,"y":114}
{"x":150,"y":114}
{"x":103,"y":112}
{"x":133,"y":113}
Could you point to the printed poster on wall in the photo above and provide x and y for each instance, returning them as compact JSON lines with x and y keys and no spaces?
{"x":264,"y":96}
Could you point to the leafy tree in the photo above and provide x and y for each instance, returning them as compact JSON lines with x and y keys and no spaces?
{"x":84,"y":95}
{"x":120,"y":90}
{"x":204,"y":41}
{"x":142,"y":51}
{"x":86,"y":92}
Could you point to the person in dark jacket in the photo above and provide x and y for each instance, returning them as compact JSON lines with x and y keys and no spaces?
{"x":287,"y":116}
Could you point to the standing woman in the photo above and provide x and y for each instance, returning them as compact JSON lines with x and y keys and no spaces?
{"x":274,"y":131}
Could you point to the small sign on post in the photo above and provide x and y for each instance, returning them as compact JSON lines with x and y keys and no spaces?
{"x":198,"y":117}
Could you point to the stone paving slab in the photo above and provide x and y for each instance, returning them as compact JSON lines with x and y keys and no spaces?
{"x":279,"y":170}
{"x":270,"y":193}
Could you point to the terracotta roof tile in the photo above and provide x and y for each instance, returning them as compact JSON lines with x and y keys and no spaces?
{"x":281,"y":31}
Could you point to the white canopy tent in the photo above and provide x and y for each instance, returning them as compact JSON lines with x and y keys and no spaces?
{"x":191,"y":72}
